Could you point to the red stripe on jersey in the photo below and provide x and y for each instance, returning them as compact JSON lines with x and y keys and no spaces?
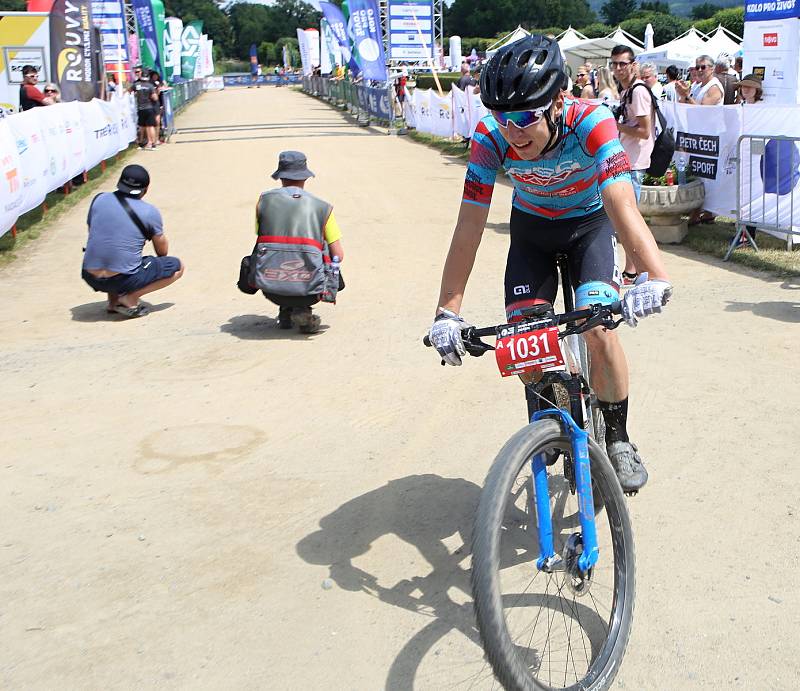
{"x":603,"y":132}
{"x":543,"y":211}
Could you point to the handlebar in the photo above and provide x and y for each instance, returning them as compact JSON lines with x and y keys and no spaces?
{"x":589,"y":317}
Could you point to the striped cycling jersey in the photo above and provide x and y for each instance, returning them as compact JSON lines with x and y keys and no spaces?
{"x":566,"y":182}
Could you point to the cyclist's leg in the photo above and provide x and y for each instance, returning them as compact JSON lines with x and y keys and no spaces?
{"x":531,"y":277}
{"x":595,"y":276}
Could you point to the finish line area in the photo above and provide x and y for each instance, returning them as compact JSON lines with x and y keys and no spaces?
{"x":196,"y":499}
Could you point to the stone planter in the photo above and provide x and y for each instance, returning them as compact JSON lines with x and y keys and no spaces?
{"x":664,"y":205}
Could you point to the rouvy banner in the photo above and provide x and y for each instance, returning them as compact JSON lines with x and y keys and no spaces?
{"x":338,"y":26}
{"x":190,"y":48}
{"x":148,"y":41}
{"x":72,"y":49}
{"x":365,"y":28}
{"x":173,"y":28}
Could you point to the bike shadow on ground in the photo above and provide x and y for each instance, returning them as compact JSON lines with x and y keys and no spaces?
{"x":96,"y":311}
{"x":421,"y":510}
{"x":257,"y":327}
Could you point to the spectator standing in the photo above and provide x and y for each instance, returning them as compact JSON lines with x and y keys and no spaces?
{"x":111,"y":87}
{"x":466,"y":79}
{"x":636,"y":128}
{"x":722,"y":71}
{"x":155,"y":78}
{"x":669,"y":93}
{"x":29,"y":94}
{"x":146,"y":105}
{"x":708,"y":91}
{"x":120,"y":223}
{"x":606,"y":86}
{"x":738,"y":65}
{"x":581,"y":85}
{"x":749,"y":92}
{"x":649,"y":75}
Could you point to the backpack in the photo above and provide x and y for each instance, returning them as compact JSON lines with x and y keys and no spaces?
{"x":664,"y":146}
{"x":287,"y":269}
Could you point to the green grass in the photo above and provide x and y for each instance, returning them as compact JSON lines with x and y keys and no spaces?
{"x":36,"y":222}
{"x":712,"y":239}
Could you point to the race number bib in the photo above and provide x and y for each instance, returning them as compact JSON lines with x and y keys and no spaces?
{"x":531,"y":351}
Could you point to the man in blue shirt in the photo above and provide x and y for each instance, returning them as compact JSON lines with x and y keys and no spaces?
{"x":119,"y":225}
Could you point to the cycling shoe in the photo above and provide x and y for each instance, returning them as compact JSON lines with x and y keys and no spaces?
{"x":628,"y":465}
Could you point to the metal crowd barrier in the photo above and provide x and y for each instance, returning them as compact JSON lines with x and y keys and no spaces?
{"x":367,"y":104}
{"x":771,"y":165}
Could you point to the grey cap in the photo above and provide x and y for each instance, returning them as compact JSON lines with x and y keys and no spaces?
{"x":292,"y":166}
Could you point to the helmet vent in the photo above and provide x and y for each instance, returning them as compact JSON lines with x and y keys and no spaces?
{"x":506,"y":59}
{"x":524,"y":58}
{"x":540,"y":59}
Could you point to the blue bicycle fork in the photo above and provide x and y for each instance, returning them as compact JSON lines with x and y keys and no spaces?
{"x":579,"y":441}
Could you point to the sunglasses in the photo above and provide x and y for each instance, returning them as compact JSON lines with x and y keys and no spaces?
{"x":50,"y":91}
{"x":701,"y":68}
{"x":581,"y":74}
{"x":521,"y":118}
{"x":620,"y":64}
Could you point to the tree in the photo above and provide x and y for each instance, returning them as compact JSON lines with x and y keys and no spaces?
{"x":596,"y":30}
{"x":13,"y":5}
{"x":655,"y":6}
{"x":257,"y":23}
{"x":482,"y":17}
{"x":732,"y":19}
{"x":215,"y":21}
{"x":267,"y":53}
{"x":616,"y":11}
{"x":705,"y":11}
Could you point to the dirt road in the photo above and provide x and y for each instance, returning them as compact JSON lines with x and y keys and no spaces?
{"x":177,"y":489}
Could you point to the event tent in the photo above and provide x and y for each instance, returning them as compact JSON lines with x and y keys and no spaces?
{"x":722,"y":41}
{"x":680,"y":51}
{"x":515,"y":35}
{"x":598,"y":50}
{"x":569,"y":38}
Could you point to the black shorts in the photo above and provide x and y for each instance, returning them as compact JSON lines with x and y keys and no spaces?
{"x":147,"y":118}
{"x":531,"y":271}
{"x":152,"y":269}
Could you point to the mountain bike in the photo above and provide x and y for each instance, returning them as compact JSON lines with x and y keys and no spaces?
{"x":552,"y":548}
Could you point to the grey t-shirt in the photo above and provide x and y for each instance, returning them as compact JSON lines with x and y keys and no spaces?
{"x":115,"y":243}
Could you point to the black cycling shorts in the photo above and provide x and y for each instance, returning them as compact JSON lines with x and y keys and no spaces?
{"x":531,"y":269}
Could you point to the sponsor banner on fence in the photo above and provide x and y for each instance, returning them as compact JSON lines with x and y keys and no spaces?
{"x":770,"y":190}
{"x":271,"y":79}
{"x":42,"y":148}
{"x":705,"y":138}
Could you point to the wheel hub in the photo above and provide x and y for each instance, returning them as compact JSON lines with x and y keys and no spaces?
{"x":577,"y":581}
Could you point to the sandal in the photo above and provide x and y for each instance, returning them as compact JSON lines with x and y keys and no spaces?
{"x":131,"y":312}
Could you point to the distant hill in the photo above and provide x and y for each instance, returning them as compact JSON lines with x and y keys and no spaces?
{"x":680,"y":9}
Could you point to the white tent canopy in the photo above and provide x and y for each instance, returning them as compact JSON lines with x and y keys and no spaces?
{"x":569,"y":38}
{"x":681,"y":51}
{"x":722,"y":41}
{"x":515,"y":35}
{"x":598,"y":50}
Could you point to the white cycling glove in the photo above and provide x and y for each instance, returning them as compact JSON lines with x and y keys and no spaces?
{"x":445,"y":336}
{"x":645,"y":298}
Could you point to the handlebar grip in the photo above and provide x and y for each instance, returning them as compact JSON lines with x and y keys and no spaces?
{"x":427,"y":342}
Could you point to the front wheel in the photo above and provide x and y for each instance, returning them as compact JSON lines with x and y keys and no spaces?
{"x":555,"y":633}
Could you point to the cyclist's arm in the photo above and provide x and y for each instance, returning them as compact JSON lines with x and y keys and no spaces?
{"x":632,"y":231}
{"x":461,"y":256}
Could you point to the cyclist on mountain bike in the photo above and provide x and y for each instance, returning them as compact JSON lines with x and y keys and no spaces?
{"x":572,"y":190}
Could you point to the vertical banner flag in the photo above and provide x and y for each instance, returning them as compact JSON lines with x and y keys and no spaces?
{"x":411,"y":30}
{"x":133,"y":49}
{"x":365,"y":26}
{"x":190,"y":48}
{"x":146,"y":26}
{"x":71,"y":49}
{"x":109,"y":17}
{"x":338,"y":25}
{"x":253,"y":60}
{"x":305,"y":53}
{"x":287,"y":61}
{"x":313,"y":46}
{"x":159,"y":21}
{"x":172,"y":48}
{"x":330,"y":55}
{"x":207,"y":56}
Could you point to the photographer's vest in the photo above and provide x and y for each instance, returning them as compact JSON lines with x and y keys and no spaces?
{"x":290,"y":254}
{"x":290,"y":215}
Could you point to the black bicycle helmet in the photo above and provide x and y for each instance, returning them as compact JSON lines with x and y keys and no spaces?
{"x":523,"y":75}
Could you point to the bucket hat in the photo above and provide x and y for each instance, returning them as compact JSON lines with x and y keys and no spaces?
{"x":292,"y":166}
